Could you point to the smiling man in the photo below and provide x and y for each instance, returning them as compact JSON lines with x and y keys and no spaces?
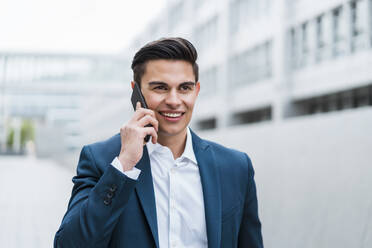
{"x":177,"y":190}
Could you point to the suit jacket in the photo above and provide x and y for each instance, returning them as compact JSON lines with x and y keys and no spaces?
{"x":108,"y":209}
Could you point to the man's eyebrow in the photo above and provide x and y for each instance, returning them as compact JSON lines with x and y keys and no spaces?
{"x":187,"y":83}
{"x":163,"y":83}
{"x":157,"y":83}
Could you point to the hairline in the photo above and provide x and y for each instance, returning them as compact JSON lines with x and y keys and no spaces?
{"x":144,"y":65}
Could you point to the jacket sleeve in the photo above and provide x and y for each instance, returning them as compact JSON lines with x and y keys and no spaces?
{"x":250,"y":230}
{"x":96,"y":203}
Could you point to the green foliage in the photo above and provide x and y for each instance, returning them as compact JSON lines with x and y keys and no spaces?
{"x":27,"y":132}
{"x":10,"y":139}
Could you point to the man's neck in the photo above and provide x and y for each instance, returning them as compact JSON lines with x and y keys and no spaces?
{"x":175,"y":143}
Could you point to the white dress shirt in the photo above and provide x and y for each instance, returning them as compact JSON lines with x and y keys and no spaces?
{"x":178,"y":196}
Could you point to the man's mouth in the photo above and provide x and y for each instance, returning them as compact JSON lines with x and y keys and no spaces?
{"x":171,"y":114}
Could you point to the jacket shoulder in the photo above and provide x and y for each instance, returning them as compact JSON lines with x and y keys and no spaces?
{"x":231,"y":154}
{"x":105,"y":151}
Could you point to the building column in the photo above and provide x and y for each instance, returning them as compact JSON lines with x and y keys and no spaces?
{"x":281,"y":107}
{"x":224,"y":83}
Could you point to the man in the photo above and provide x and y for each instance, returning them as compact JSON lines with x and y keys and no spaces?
{"x":177,"y":190}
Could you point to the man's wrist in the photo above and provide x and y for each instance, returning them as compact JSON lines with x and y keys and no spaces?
{"x":133,"y":173}
{"x":126,"y":163}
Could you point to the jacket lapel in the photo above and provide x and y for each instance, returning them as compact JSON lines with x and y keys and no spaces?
{"x":211,"y":189}
{"x":145,"y":192}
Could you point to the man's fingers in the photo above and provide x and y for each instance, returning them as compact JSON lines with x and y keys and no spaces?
{"x":148,"y":120}
{"x":141,"y":112}
{"x":151,"y":131}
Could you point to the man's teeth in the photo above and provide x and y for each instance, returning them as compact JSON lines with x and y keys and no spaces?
{"x":172,"y":114}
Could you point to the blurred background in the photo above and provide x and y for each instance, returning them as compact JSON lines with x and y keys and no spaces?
{"x":287,"y":81}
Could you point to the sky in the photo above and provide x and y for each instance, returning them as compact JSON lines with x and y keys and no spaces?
{"x":85,"y":26}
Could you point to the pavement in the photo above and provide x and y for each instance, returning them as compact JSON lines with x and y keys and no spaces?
{"x":34,"y":194}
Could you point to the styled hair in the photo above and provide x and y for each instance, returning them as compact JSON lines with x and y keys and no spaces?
{"x":165,"y":48}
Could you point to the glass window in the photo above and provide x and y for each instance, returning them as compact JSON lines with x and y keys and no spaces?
{"x":304,"y":44}
{"x":252,"y":65}
{"x":234,"y":16}
{"x":358,"y":23}
{"x":268,"y":54}
{"x":208,"y":79}
{"x":293,"y":48}
{"x":339,"y":28}
{"x":206,"y":33}
{"x":239,"y":14}
{"x":319,"y":38}
{"x":370,"y":22}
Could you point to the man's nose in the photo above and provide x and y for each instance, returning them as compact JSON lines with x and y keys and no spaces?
{"x":173,"y":99}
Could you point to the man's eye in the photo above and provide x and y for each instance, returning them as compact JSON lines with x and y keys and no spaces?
{"x":185,"y":87}
{"x":160,"y":87}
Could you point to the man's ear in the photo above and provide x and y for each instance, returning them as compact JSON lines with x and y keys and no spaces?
{"x":132,"y":84}
{"x":197,"y":87}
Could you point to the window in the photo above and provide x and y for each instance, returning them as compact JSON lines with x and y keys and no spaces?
{"x":208,"y":79}
{"x":358,"y":24}
{"x":207,"y":124}
{"x":252,"y":65}
{"x":206,"y":33}
{"x":370,"y":22}
{"x":252,"y":116}
{"x":293,"y":48}
{"x":320,"y":43}
{"x":239,"y":13}
{"x":352,"y":98}
{"x":267,"y":60}
{"x":339,"y":34}
{"x":234,"y":17}
{"x":304,"y":44}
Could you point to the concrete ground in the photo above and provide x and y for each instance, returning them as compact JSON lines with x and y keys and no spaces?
{"x":33,"y":198}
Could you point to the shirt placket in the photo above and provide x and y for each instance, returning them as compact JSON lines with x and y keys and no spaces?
{"x":173,"y":215}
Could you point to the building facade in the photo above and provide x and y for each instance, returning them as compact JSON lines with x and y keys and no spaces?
{"x":52,"y":91}
{"x":290,"y":83}
{"x":273,"y":59}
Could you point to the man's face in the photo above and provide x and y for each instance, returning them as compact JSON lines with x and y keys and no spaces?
{"x":170,"y":90}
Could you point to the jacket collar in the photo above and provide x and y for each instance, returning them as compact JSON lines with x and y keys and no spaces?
{"x":145,"y":192}
{"x":210,"y":179}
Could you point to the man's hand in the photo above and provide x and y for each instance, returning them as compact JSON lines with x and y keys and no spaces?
{"x":133,"y":134}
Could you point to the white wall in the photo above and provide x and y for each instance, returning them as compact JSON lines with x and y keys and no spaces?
{"x":314,"y":177}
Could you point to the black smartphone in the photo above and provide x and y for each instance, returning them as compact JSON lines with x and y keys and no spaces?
{"x":138,"y":97}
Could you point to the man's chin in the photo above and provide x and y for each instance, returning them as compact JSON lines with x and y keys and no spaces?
{"x":169,"y":132}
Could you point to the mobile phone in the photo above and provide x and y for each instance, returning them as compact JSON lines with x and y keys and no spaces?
{"x":138,"y":97}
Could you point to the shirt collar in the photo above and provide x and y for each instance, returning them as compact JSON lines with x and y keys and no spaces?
{"x":187,"y":153}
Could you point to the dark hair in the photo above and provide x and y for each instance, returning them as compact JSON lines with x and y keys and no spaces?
{"x":164,"y":48}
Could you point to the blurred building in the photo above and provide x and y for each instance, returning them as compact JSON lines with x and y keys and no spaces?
{"x":287,"y":81}
{"x":271,"y":60}
{"x":53,"y":91}
{"x":290,"y":83}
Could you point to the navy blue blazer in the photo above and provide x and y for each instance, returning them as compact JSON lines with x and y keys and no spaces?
{"x":108,"y":209}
